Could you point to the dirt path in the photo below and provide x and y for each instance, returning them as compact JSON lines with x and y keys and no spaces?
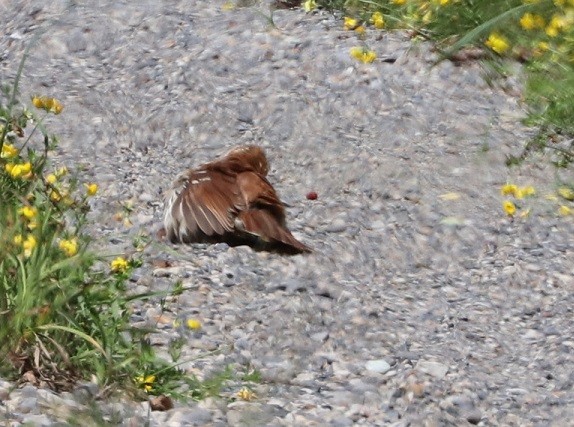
{"x":422,"y":303}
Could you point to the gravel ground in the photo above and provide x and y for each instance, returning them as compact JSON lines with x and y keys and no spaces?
{"x":416,"y":308}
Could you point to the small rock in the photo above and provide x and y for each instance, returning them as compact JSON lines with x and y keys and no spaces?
{"x":380,"y":366}
{"x":473,"y":416}
{"x":436,"y":369}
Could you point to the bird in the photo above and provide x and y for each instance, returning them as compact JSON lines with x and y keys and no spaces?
{"x":230,"y":200}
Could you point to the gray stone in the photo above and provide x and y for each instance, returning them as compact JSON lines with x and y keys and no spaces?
{"x":379,"y":365}
{"x":436,"y":369}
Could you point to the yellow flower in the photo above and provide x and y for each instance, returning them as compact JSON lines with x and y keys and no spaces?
{"x":507,"y":189}
{"x":55,"y":196}
{"x":566,"y":193}
{"x":309,"y":5}
{"x":363,"y":55}
{"x":399,"y":2}
{"x":119,"y":265}
{"x":554,"y":26}
{"x":28,"y":212}
{"x":56,"y":106}
{"x":246,"y":394}
{"x":497,"y":43}
{"x":32,"y":225}
{"x":28,"y":244}
{"x":51,"y":105}
{"x":91,"y":189}
{"x":37,"y":101}
{"x":61,"y":172}
{"x":360,"y":29}
{"x":8,"y":151}
{"x":378,"y":20}
{"x":146,"y":382}
{"x":509,"y":207}
{"x":350,"y":23}
{"x":442,"y":2}
{"x":23,"y":170}
{"x":541,"y":47}
{"x":69,"y":247}
{"x":530,"y":21}
{"x":564,"y":210}
{"x":51,"y":178}
{"x":193,"y":324}
{"x":528,"y":191}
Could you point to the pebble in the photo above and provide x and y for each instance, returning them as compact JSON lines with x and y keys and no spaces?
{"x":380,"y":366}
{"x":436,"y":369}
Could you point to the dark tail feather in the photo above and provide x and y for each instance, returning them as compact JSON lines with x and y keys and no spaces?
{"x":270,"y":233}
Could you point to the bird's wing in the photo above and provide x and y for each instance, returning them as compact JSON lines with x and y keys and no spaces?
{"x":257,"y":192}
{"x":265,"y":214}
{"x":205,"y":206}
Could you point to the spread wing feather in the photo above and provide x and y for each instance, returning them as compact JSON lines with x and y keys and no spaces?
{"x":204,"y":206}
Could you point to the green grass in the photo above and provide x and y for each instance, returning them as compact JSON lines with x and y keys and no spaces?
{"x":65,"y":311}
{"x":539,"y":33}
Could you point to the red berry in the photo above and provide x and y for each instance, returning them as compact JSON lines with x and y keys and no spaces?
{"x":312,"y":195}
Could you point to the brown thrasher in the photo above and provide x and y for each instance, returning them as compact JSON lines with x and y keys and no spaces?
{"x":229,"y":200}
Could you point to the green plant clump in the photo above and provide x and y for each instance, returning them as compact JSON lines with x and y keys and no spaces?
{"x":64,"y":310}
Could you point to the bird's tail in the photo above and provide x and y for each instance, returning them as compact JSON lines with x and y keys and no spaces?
{"x":270,"y":234}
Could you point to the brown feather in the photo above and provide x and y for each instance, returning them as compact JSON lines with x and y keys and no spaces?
{"x":230,"y":200}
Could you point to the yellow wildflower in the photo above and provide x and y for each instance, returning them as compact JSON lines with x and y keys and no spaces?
{"x":8,"y":151}
{"x":57,"y":107}
{"x":541,"y":47}
{"x":363,"y":55}
{"x":69,"y":246}
{"x":531,"y":21}
{"x":18,"y":239}
{"x":91,"y":189}
{"x":28,"y":212}
{"x":507,"y":189}
{"x":23,"y":170}
{"x":193,"y":324}
{"x":497,"y":43}
{"x":528,"y":191}
{"x":350,"y":23}
{"x":509,"y":207}
{"x":378,"y":20}
{"x":146,"y":382}
{"x":61,"y":172}
{"x":28,"y":245}
{"x":51,"y":105}
{"x":32,"y":224}
{"x":55,"y":196}
{"x":119,"y":265}
{"x":246,"y":394}
{"x":309,"y":5}
{"x":564,"y":210}
{"x":442,"y":2}
{"x":360,"y":30}
{"x":228,"y":6}
{"x":566,"y":193}
{"x":554,"y":26}
{"x":399,"y":2}
{"x":38,"y":102}
{"x":51,"y":178}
